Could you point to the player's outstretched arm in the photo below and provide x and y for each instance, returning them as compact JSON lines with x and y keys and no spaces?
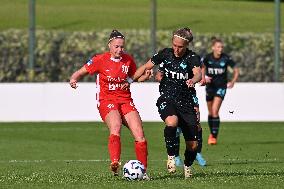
{"x":76,"y":76}
{"x":148,"y":74}
{"x":139,"y":72}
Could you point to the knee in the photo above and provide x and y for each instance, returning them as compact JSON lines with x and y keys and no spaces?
{"x":171,"y":121}
{"x":115,"y":129}
{"x":215,"y":113}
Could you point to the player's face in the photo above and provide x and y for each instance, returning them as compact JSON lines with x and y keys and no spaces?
{"x":218,"y":48}
{"x":116,"y":47}
{"x":179,"y":46}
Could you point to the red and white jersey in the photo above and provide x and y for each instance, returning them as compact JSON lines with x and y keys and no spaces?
{"x":111,"y":74}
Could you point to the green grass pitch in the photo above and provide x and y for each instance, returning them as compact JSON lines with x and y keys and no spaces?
{"x":74,"y":155}
{"x":203,"y":16}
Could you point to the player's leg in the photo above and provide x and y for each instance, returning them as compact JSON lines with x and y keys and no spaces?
{"x":168,"y":114}
{"x":201,"y":161}
{"x":178,"y":160}
{"x":217,"y":102}
{"x":135,"y":125}
{"x":210,"y":93}
{"x":132,"y":119}
{"x":112,"y":119}
{"x":190,"y":133}
{"x":171,"y":141}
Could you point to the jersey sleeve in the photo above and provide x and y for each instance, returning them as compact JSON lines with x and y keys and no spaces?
{"x":132,"y":67}
{"x":195,"y":61}
{"x":161,"y":68}
{"x":204,"y":61}
{"x":159,"y":57}
{"x":231,"y":62}
{"x":93,"y":65}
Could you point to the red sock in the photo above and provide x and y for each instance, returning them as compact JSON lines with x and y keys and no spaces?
{"x":141,"y":152}
{"x":114,"y":147}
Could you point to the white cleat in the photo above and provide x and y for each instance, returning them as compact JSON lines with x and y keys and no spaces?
{"x":145,"y":177}
{"x":187,"y":172}
{"x":171,"y":164}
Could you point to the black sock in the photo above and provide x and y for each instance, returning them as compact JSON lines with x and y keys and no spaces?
{"x":210,"y":123}
{"x":215,"y":126}
{"x":170,"y":139}
{"x":199,"y":140}
{"x":177,"y":146}
{"x":189,"y":157}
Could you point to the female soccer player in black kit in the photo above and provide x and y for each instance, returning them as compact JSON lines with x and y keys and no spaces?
{"x":201,"y":161}
{"x":182,"y":72}
{"x":214,"y":68}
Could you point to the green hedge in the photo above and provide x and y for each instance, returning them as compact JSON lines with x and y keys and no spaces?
{"x":59,"y":53}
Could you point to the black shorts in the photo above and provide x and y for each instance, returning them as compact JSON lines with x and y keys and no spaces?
{"x":187,"y":119}
{"x":211,"y":92}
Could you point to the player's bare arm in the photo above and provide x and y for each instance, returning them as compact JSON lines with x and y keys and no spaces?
{"x":139,"y":72}
{"x":148,"y":74}
{"x":236,"y":73}
{"x":76,"y":76}
{"x":203,"y":80}
{"x":197,"y":76}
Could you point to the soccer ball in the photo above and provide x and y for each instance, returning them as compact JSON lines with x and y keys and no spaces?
{"x":133,"y":170}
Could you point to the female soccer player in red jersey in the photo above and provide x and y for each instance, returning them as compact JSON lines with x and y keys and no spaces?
{"x":214,"y":71}
{"x":115,"y":105}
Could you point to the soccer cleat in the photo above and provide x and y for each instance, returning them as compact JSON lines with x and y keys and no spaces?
{"x":187,"y":172}
{"x":145,"y":177}
{"x":171,"y":164}
{"x":178,"y":161}
{"x":212,"y":140}
{"x":114,"y":167}
{"x":201,"y":161}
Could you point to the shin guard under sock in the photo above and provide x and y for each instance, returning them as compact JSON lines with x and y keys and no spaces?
{"x":210,"y":123}
{"x":199,"y":140}
{"x":215,"y":126}
{"x":170,"y":139}
{"x":141,"y":151}
{"x":189,"y":157}
{"x":114,"y":147}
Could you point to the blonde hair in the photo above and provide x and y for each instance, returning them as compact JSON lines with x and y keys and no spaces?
{"x":184,"y":33}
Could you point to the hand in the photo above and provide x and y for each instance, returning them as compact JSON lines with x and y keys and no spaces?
{"x":208,"y":79}
{"x":125,"y":85}
{"x":73,"y":83}
{"x":230,"y":85}
{"x":149,"y":73}
{"x":202,"y":82}
{"x":190,"y":83}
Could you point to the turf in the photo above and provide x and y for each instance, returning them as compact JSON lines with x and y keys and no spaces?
{"x":74,"y":155}
{"x":214,"y":16}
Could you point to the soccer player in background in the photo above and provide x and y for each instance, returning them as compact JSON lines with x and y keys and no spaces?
{"x":115,"y":105}
{"x":214,"y":70}
{"x":201,"y":161}
{"x":182,"y":72}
